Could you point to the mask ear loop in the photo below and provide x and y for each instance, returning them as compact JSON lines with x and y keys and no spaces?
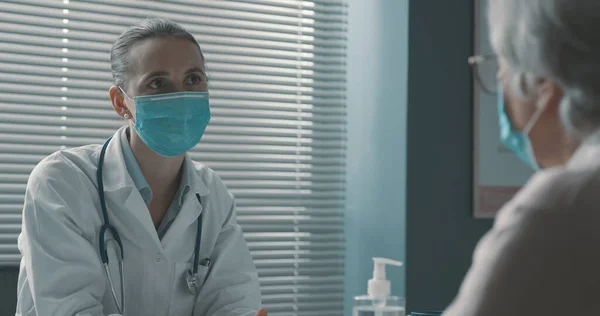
{"x":123,"y":91}
{"x":126,"y":116}
{"x":534,"y":118}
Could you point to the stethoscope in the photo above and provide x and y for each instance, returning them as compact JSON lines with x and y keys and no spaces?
{"x":192,"y":278}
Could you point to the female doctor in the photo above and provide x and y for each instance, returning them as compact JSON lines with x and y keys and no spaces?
{"x":134,"y":227}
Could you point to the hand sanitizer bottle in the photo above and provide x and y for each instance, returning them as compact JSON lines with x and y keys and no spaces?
{"x":378,"y":302}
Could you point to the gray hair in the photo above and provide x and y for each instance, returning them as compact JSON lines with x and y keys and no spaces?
{"x":148,"y":28}
{"x":555,"y":39}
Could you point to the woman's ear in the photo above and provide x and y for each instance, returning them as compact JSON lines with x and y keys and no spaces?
{"x":118,"y":101}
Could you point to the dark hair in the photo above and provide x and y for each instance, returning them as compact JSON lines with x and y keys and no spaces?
{"x":148,"y":28}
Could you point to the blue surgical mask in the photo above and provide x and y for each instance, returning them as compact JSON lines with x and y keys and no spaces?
{"x":171,"y":124}
{"x":517,"y":141}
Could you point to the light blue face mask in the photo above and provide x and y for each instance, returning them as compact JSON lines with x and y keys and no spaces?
{"x":172,"y":123}
{"x":517,"y":141}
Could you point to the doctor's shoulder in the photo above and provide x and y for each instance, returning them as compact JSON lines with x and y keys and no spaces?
{"x":66,"y":165}
{"x":218,"y":191}
{"x":66,"y":176}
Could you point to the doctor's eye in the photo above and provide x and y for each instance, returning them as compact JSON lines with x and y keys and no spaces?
{"x":195,"y":79}
{"x":157,"y":83}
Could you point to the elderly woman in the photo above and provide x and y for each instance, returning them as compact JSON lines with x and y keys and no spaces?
{"x":542,"y":256}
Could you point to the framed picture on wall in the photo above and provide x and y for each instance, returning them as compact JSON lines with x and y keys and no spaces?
{"x":498,"y":174}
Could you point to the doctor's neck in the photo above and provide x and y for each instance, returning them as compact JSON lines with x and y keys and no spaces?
{"x":162,"y":173}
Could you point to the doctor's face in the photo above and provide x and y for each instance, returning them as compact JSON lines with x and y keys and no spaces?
{"x":164,"y":65}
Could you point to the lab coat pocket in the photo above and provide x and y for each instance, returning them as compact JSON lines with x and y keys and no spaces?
{"x":182,"y":301}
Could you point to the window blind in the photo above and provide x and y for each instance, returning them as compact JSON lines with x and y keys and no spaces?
{"x":277,"y":137}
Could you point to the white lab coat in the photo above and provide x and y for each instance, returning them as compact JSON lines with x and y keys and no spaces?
{"x":61,"y":270}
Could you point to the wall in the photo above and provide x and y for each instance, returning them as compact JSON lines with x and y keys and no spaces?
{"x":377,"y":75}
{"x":441,"y":233}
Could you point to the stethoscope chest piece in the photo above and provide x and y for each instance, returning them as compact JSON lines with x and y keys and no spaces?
{"x":193,"y":282}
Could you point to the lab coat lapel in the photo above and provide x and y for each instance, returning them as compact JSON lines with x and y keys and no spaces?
{"x":136,"y":206}
{"x":191,"y":208}
{"x":117,"y":181}
{"x":187,"y":216}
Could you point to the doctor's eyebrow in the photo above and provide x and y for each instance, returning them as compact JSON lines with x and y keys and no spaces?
{"x":162,"y":73}
{"x":158,"y":73}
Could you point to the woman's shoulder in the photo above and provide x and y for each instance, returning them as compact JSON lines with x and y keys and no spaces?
{"x":59,"y":187}
{"x":557,"y":188}
{"x":544,"y":239}
{"x":66,"y":166}
{"x":212,"y":181}
{"x":207,"y":174}
{"x":563,"y":194}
